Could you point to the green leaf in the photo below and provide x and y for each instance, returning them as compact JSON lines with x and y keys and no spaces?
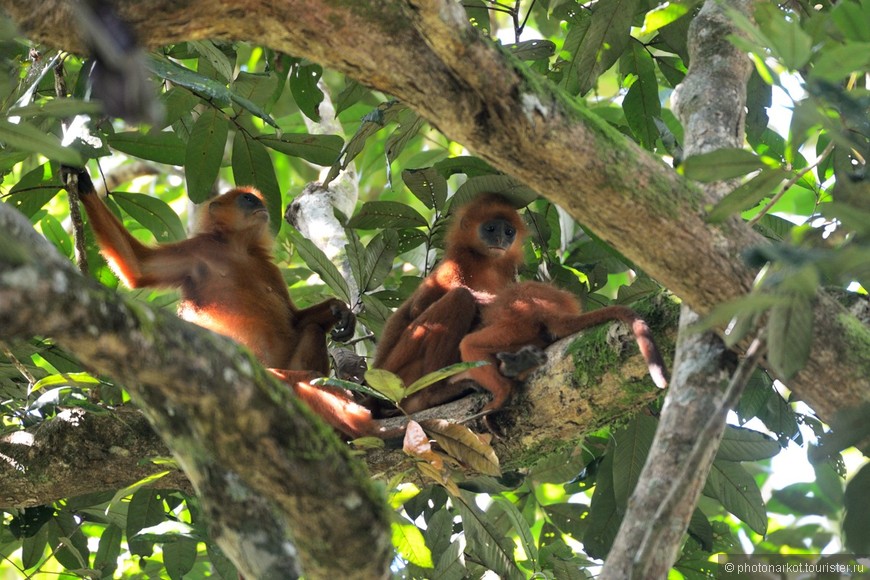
{"x":521,"y":527}
{"x":348,"y":385}
{"x":54,"y":232}
{"x":319,"y":149}
{"x":349,"y":95}
{"x":427,"y":186}
{"x":736,"y":490}
{"x":26,"y":137}
{"x":484,"y":541}
{"x":386,"y":383}
{"x":373,"y":122}
{"x":66,"y":107}
{"x":513,"y":189}
{"x":214,"y":56}
{"x":177,"y":102}
{"x":145,"y":510}
{"x":721,"y":164}
{"x":558,"y":467}
{"x":851,"y":19}
{"x":747,"y":195}
{"x":857,"y":504}
{"x":386,"y":214}
{"x":605,"y":514}
{"x":303,"y":85}
{"x":788,"y":40}
{"x":253,"y":166}
{"x":664,"y":14}
{"x":35,"y":189}
{"x":205,"y":153}
{"x":162,"y":146}
{"x":379,"y":256}
{"x":838,"y":62}
{"x":66,"y":533}
{"x":441,"y":374}
{"x":641,"y":103}
{"x":409,"y":543}
{"x":375,"y":314}
{"x":450,"y":565}
{"x":631,"y":446}
{"x":532,"y":49}
{"x":152,"y":213}
{"x":33,"y":547}
{"x":790,"y":336}
{"x":602,"y":44}
{"x":740,"y":444}
{"x":315,"y":259}
{"x":179,"y":557}
{"x":210,"y":89}
{"x":257,"y":88}
{"x":569,"y":518}
{"x":410,"y":124}
{"x":108,"y":550}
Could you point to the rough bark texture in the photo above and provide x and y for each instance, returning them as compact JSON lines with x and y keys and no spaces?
{"x":710,"y":103}
{"x":425,"y":53}
{"x":247,"y":445}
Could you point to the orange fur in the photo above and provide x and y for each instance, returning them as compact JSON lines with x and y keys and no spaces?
{"x":230,"y":285}
{"x":536,"y":314}
{"x":423,"y":335}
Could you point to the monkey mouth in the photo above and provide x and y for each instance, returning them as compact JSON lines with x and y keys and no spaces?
{"x":497,"y":249}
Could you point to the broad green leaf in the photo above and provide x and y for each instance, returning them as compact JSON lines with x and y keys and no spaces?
{"x":790,"y":336}
{"x":122,"y":493}
{"x":214,"y":56}
{"x":427,"y":186}
{"x":721,"y":164}
{"x":788,"y":40}
{"x":145,"y":510}
{"x":162,"y":146}
{"x":748,"y":194}
{"x":641,"y":103}
{"x":441,"y":374}
{"x":409,"y":543}
{"x":857,"y":504}
{"x":318,"y":149}
{"x":483,"y":541}
{"x":315,"y":259}
{"x":851,"y":19}
{"x":375,"y":314}
{"x":257,"y":88}
{"x":701,"y":530}
{"x":631,"y":446}
{"x":253,"y":166}
{"x":740,"y":444}
{"x":108,"y":550}
{"x":513,"y":189}
{"x":205,"y":153}
{"x":602,"y":44}
{"x":176,"y":103}
{"x":379,"y":256}
{"x":350,"y":95}
{"x":521,"y":527}
{"x":26,"y":137}
{"x":153,"y":213}
{"x":386,"y":214}
{"x":532,"y":49}
{"x":478,"y":14}
{"x":605,"y":514}
{"x":179,"y":557}
{"x":439,"y":529}
{"x":465,"y":164}
{"x":372,"y":122}
{"x":303,"y":84}
{"x":463,"y":444}
{"x":35,"y":189}
{"x":54,"y":232}
{"x":65,"y":379}
{"x":736,"y":490}
{"x":67,"y":107}
{"x":558,"y":467}
{"x":205,"y":87}
{"x":66,"y":533}
{"x":33,"y":547}
{"x":838,"y":62}
{"x":664,"y":14}
{"x":569,"y":518}
{"x":386,"y":383}
{"x":450,"y":565}
{"x":409,"y":125}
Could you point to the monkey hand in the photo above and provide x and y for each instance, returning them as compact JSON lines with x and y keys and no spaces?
{"x":518,"y":365}
{"x":345,"y":322}
{"x":76,"y":180}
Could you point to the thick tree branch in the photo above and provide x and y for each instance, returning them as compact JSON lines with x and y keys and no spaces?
{"x":237,"y":432}
{"x":425,"y":53}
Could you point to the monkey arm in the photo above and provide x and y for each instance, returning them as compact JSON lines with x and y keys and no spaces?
{"x":135,"y":263}
{"x":326,"y":315}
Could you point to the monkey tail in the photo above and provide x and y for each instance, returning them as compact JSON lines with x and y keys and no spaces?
{"x":650,"y":353}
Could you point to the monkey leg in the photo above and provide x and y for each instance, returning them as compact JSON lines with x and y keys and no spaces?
{"x":484,"y":345}
{"x":310,"y":351}
{"x":518,"y":365}
{"x":329,"y":314}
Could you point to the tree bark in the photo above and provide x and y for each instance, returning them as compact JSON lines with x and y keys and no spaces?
{"x":425,"y":53}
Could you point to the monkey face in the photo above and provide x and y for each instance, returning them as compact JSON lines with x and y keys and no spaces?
{"x":497,"y":235}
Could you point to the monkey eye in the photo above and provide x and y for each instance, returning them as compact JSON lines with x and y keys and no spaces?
{"x":509,"y":231}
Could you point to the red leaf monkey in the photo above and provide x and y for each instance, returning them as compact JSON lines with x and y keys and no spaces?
{"x":533,"y":315}
{"x":229,"y":284}
{"x":483,"y":251}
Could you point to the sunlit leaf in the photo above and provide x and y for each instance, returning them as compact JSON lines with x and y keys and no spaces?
{"x":721,"y":164}
{"x":409,"y":543}
{"x":205,"y":153}
{"x":152,"y":213}
{"x":427,"y":186}
{"x":740,"y":444}
{"x":441,"y":374}
{"x":748,"y":194}
{"x":28,"y":138}
{"x":386,"y":383}
{"x":738,"y":493}
{"x":315,"y":259}
{"x":790,"y":336}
